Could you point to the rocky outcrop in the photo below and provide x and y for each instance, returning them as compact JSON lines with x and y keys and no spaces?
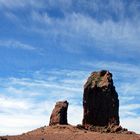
{"x":59,"y":114}
{"x":100,"y":100}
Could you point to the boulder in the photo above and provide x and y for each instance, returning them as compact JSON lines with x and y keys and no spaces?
{"x":100,"y":100}
{"x":59,"y":114}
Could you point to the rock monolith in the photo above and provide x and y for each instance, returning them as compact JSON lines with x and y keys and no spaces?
{"x":59,"y":114}
{"x":100,"y":100}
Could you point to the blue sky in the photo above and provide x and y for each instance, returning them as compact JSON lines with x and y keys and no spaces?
{"x":48,"y":48}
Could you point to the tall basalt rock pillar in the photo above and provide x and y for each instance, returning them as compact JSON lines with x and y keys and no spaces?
{"x":100,"y":100}
{"x":59,"y":114}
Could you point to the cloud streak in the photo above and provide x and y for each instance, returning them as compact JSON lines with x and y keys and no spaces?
{"x":62,"y":28}
{"x":15,"y":4}
{"x":71,"y":25}
{"x":16,"y":45}
{"x":36,"y":96}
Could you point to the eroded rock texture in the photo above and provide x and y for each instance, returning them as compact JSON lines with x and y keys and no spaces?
{"x":59,"y":114}
{"x":100,"y":100}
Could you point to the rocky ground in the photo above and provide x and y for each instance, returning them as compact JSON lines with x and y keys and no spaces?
{"x":68,"y":132}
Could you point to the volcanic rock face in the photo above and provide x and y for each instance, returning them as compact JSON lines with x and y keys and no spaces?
{"x":59,"y":114}
{"x":100,"y":100}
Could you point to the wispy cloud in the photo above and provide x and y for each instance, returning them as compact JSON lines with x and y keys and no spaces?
{"x":114,"y":66}
{"x":83,"y":27}
{"x":21,"y":123}
{"x":119,"y":10}
{"x":75,"y":26}
{"x":77,"y":23}
{"x":125,"y":75}
{"x":16,"y":45}
{"x":131,"y":107}
{"x":15,"y":4}
{"x":129,"y":122}
{"x":36,"y":96}
{"x":80,"y":23}
{"x":127,"y":83}
{"x":11,"y":103}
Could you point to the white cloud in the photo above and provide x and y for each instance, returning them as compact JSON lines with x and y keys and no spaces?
{"x":11,"y":103}
{"x":13,"y":4}
{"x":27,"y":121}
{"x":22,"y":91}
{"x":108,"y":35}
{"x":125,"y":76}
{"x":131,"y":123}
{"x":17,"y":124}
{"x":46,"y":4}
{"x":25,"y":114}
{"x":75,"y":114}
{"x":17,"y":96}
{"x":126,"y":99}
{"x":131,"y":88}
{"x":77,"y":31}
{"x":16,"y":44}
{"x":62,"y":85}
{"x":76,"y":26}
{"x":34,"y":110}
{"x":125,"y":68}
{"x":81,"y":23}
{"x":130,"y":107}
{"x":127,"y":83}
